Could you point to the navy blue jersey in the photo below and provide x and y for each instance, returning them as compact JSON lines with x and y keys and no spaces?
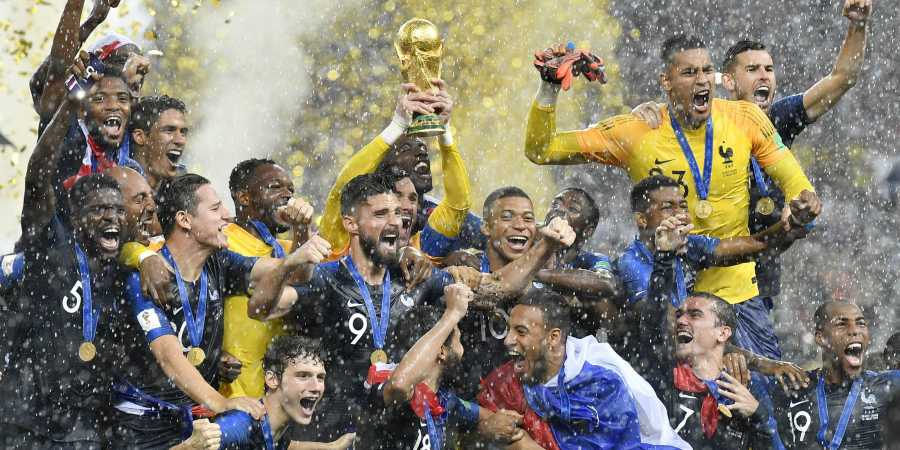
{"x":790,"y":119}
{"x":636,"y":264}
{"x":398,"y":427}
{"x":240,"y":431}
{"x":46,"y":387}
{"x":330,"y":307}
{"x":437,"y":245}
{"x":142,"y":420}
{"x":656,"y":362}
{"x":798,"y":420}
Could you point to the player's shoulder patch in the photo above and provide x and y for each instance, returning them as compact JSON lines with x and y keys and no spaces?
{"x":148,"y":319}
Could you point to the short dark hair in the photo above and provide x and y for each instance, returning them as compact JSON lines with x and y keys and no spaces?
{"x":677,"y":44}
{"x":640,"y":193}
{"x":554,"y":308}
{"x":593,"y":214}
{"x":177,"y":194}
{"x":243,"y":173}
{"x":87,"y":185}
{"x":148,"y":110}
{"x":362,"y":187}
{"x":725,"y":314}
{"x":285,"y":349}
{"x":417,"y":321}
{"x":822,"y":315}
{"x":504,"y":192}
{"x":738,"y":48}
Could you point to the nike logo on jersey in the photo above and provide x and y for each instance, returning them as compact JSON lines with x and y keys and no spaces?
{"x":658,"y":162}
{"x":683,"y":395}
{"x":793,"y":404}
{"x":352,"y":303}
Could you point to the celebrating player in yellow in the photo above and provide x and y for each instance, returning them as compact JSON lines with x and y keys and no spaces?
{"x":704,"y":143}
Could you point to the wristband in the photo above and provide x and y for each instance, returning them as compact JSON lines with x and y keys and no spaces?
{"x":144,"y":255}
{"x":547,"y":94}
{"x":446,"y":139}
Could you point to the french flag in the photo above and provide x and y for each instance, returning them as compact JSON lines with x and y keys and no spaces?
{"x":602,"y":404}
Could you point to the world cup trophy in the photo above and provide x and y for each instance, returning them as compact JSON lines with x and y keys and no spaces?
{"x":420,"y":47}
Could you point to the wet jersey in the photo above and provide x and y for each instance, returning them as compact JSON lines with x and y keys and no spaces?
{"x":798,"y":415}
{"x":245,"y":338}
{"x":790,"y":119}
{"x":141,"y":383}
{"x":240,"y":431}
{"x":46,"y":387}
{"x":331,"y":307}
{"x":636,"y":264}
{"x":398,"y":427}
{"x":657,"y":364}
{"x":740,"y":130}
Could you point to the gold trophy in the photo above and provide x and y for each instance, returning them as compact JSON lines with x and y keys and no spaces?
{"x":420,"y":47}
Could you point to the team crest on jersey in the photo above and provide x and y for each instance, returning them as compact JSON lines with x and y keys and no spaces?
{"x":406,"y":300}
{"x":727,"y":154}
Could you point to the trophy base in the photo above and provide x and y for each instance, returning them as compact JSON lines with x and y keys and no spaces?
{"x":425,"y":125}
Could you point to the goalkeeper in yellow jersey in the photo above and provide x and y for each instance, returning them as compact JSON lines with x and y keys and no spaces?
{"x":705,"y":144}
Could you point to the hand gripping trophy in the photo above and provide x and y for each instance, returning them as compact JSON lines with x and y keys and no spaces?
{"x":420,"y":47}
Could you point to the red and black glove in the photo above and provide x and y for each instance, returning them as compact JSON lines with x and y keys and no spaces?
{"x":559,"y":65}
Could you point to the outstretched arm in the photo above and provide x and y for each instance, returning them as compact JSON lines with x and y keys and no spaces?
{"x":515,"y":277}
{"x":49,"y":79}
{"x":40,"y":198}
{"x":823,"y":95}
{"x":741,"y":249}
{"x":272,"y":297}
{"x":421,"y":358}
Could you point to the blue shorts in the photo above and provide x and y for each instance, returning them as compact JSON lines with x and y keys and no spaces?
{"x":755,"y":330}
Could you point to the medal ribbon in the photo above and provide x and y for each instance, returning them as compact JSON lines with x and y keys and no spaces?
{"x":379,"y":328}
{"x":434,"y":435}
{"x":680,"y":288}
{"x":838,"y":436}
{"x":89,"y":318}
{"x":195,"y":323}
{"x":267,"y":433}
{"x":758,"y":176}
{"x":701,"y":183}
{"x":266,"y":235}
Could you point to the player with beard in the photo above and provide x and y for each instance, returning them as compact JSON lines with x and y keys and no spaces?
{"x":354,"y":302}
{"x":295,"y":383}
{"x":585,"y":276}
{"x":844,"y":404}
{"x":749,"y":74}
{"x":261,"y":190}
{"x":395,"y":153}
{"x":573,"y":393}
{"x":707,"y":406}
{"x":54,"y":388}
{"x":159,"y":135}
{"x":159,"y":384}
{"x":703,"y":143}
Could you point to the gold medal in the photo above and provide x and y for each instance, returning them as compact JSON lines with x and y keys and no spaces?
{"x":87,"y":351}
{"x":765,"y":206}
{"x":704,"y":209}
{"x":195,"y":356}
{"x":378,"y":356}
{"x":725,"y":411}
